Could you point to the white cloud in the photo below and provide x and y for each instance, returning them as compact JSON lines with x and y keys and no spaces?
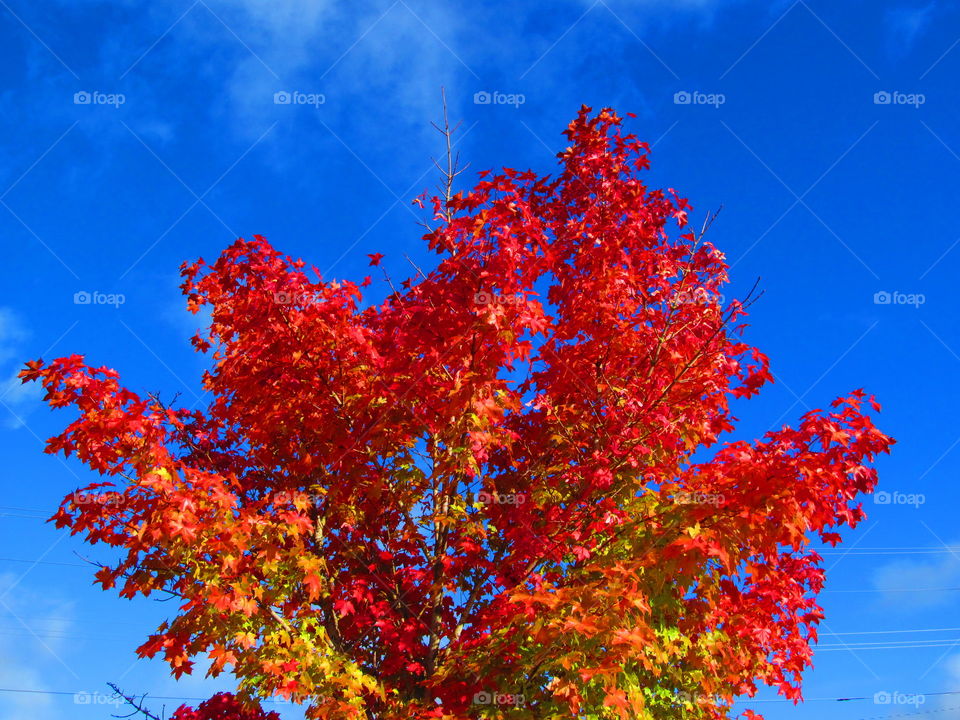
{"x":906,"y":24}
{"x":351,"y":55}
{"x":16,"y":706}
{"x":17,"y":399}
{"x":700,"y":12}
{"x":949,"y":668}
{"x":379,"y":65}
{"x":664,"y":4}
{"x":28,"y":658}
{"x":900,"y":575}
{"x":12,"y":333}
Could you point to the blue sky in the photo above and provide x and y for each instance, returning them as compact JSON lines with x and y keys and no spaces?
{"x":827,"y":130}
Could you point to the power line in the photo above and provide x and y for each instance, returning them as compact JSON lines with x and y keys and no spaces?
{"x":837,"y":648}
{"x":882,"y":590}
{"x":890,"y":632}
{"x":857,"y":590}
{"x":910,"y":643}
{"x":854,"y":698}
{"x":44,"y":562}
{"x":54,"y":634}
{"x":867,"y":548}
{"x":273,"y":700}
{"x":931,"y":711}
{"x":891,"y":551}
{"x":60,"y":630}
{"x":40,"y":511}
{"x":87,"y":692}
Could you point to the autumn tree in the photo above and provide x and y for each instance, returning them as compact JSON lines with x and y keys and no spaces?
{"x":488,"y":495}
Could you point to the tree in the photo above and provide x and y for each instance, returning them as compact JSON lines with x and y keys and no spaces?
{"x":488,"y":495}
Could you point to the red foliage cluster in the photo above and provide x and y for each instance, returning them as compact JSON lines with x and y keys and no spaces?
{"x":222,"y":706}
{"x":488,"y":495}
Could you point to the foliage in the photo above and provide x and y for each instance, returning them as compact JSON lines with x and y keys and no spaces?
{"x":488,"y":495}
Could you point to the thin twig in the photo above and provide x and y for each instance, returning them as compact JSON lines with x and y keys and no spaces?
{"x":453,"y":161}
{"x":138,"y":708}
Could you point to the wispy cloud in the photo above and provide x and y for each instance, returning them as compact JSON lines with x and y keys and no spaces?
{"x":252,"y":49}
{"x":386,"y":60}
{"x":16,"y":397}
{"x":895,"y":579}
{"x":12,"y":333}
{"x":947,"y":704}
{"x":34,"y":636}
{"x":16,"y":706}
{"x":905,"y":24}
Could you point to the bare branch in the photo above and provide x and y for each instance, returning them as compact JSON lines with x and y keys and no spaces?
{"x":137,"y":705}
{"x":453,"y":168}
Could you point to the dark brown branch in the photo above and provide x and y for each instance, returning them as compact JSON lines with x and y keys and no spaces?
{"x":138,"y":708}
{"x":453,"y":168}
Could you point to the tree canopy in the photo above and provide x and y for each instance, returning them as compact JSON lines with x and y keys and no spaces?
{"x":500,"y":492}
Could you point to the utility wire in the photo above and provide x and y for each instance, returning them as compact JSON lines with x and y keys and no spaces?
{"x":863,"y":590}
{"x":889,"y":632}
{"x":748,"y":700}
{"x":858,"y":590}
{"x":44,"y":562}
{"x":853,"y":698}
{"x":87,"y":692}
